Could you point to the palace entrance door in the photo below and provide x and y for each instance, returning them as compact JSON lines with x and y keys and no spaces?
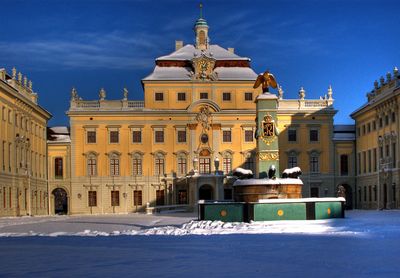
{"x":60,"y":201}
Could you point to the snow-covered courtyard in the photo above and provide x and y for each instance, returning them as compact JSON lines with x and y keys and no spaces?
{"x":364,"y":244}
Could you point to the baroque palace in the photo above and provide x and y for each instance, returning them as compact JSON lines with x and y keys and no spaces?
{"x":181,"y":143}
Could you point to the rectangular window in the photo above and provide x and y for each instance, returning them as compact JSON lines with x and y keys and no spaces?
{"x":292,"y":161}
{"x":226,"y":136}
{"x":365,"y":193}
{"x":363,"y":129}
{"x":3,"y":113}
{"x":4,"y":197}
{"x":370,"y":193}
{"x":369,"y":127}
{"x":114,"y":166}
{"x":292,"y":135}
{"x":159,"y":166}
{"x":160,"y":197}
{"x":91,"y":166}
{"x":137,"y":136}
{"x":387,"y":150}
{"x":314,"y":135}
{"x":226,"y":96}
{"x":248,"y":96}
{"x":181,"y":96}
{"x":181,"y":136}
{"x":386,"y":119}
{"x":249,"y":163}
{"x":204,"y":165}
{"x":92,"y":198}
{"x":58,"y":168}
{"x":137,"y":197}
{"x":344,"y":165}
{"x":369,"y":161}
{"x":380,"y":152}
{"x":314,"y":164}
{"x":182,"y":197}
{"x":159,"y":136}
{"x":182,"y":168}
{"x":137,"y":166}
{"x":394,"y":158}
{"x":227,"y":165}
{"x":374,"y":125}
{"x":9,"y":116}
{"x":159,"y":96}
{"x":3,"y":155}
{"x":380,"y":122}
{"x":393,"y":117}
{"x":203,"y":95}
{"x":248,"y":135}
{"x":364,"y":162}
{"x":114,"y":136}
{"x":115,"y":198}
{"x":375,"y":166}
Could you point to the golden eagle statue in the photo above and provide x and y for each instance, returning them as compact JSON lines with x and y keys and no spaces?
{"x":266,"y":80}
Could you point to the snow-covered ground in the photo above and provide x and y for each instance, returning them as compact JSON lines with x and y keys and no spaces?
{"x":364,"y":244}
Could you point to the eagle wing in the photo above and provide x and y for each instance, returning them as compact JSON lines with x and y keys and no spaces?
{"x":259,"y":80}
{"x":272,"y":81}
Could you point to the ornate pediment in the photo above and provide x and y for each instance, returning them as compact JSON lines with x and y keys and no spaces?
{"x":203,"y":68}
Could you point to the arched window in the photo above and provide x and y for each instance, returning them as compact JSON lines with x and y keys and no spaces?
{"x":250,"y":161}
{"x":58,"y":168}
{"x":227,"y":162}
{"x":182,"y":164}
{"x":344,"y":165}
{"x":202,"y":37}
{"x":114,"y":164}
{"x":137,"y":164}
{"x":91,"y":163}
{"x":159,"y":164}
{"x":314,"y":162}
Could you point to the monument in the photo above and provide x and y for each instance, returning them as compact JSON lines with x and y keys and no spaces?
{"x":269,"y":196}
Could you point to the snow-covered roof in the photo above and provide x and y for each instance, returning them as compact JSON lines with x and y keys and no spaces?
{"x":58,"y":134}
{"x":185,"y":73}
{"x":276,"y":181}
{"x":235,"y":73}
{"x":344,"y":132}
{"x":188,"y":52}
{"x":170,"y":73}
{"x":59,"y":129}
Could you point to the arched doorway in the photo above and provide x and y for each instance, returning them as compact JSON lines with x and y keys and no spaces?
{"x":206,"y":192}
{"x":60,"y":201}
{"x":344,"y":190}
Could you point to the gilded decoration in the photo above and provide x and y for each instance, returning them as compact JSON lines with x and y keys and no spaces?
{"x":269,"y":156}
{"x":268,"y":129}
{"x":266,"y":80}
{"x":203,"y":67}
{"x":204,"y":117}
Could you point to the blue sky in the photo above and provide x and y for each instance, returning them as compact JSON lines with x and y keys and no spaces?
{"x":112,"y":44}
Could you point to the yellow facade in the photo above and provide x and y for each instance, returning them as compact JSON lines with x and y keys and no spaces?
{"x":23,"y":153}
{"x":195,"y":125}
{"x":180,"y":144}
{"x":377,"y":144}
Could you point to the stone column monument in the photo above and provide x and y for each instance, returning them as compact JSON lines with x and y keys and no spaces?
{"x":267,"y":131}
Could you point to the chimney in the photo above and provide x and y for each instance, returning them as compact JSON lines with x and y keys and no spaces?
{"x":231,"y":50}
{"x":178,"y":45}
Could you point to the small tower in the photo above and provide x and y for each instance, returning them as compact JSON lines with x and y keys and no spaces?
{"x":201,"y":31}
